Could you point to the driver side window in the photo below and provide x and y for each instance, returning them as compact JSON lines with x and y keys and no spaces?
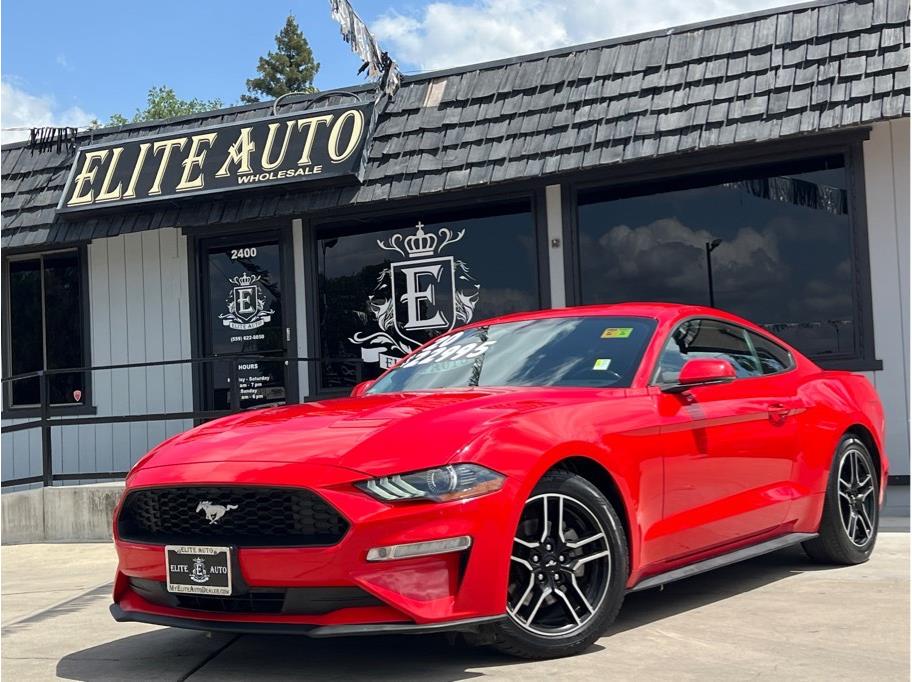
{"x":707,"y":339}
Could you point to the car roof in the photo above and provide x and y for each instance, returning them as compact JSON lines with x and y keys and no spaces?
{"x":653,"y":309}
{"x":664,"y":313}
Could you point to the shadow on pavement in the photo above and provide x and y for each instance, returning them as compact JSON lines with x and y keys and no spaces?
{"x":428,"y":657}
{"x":649,"y":606}
{"x":71,"y":605}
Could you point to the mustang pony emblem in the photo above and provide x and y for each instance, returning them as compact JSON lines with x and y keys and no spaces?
{"x":214,"y":512}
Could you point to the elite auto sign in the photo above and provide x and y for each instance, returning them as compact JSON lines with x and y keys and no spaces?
{"x":303,"y":146}
{"x":425,"y":294}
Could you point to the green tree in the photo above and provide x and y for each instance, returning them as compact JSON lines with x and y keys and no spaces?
{"x":162,"y":102}
{"x":291,"y":68}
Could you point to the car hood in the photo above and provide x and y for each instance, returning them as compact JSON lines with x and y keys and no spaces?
{"x":373,"y":434}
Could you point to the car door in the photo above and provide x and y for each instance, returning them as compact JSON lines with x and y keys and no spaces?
{"x":728,"y":448}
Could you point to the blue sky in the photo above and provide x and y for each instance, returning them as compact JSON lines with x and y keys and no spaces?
{"x":102,"y":56}
{"x":64,"y":63}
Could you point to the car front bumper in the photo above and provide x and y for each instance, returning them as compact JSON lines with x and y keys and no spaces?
{"x":457,"y":590}
{"x":320,"y":631}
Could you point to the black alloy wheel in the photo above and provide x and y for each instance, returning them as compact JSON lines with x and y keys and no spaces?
{"x":568,"y":569}
{"x":851,"y":509}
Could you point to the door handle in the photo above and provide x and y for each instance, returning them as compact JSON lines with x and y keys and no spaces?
{"x":778,"y":412}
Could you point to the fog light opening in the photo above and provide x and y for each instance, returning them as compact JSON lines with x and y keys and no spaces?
{"x":416,"y":549}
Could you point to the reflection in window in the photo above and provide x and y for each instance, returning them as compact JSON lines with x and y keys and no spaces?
{"x":592,"y":352}
{"x":400,"y":282}
{"x":773,"y":357}
{"x":784,"y":259}
{"x":46,"y":327}
{"x":707,"y":339}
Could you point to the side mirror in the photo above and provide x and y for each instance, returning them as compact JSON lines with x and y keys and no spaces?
{"x":702,"y":372}
{"x":361,"y":389}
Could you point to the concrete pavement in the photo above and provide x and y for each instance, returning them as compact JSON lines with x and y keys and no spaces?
{"x":775,"y":616}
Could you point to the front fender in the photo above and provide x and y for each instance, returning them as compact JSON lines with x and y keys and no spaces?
{"x":525,"y":450}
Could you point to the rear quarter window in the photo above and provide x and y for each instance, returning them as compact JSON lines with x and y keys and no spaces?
{"x":773,"y":357}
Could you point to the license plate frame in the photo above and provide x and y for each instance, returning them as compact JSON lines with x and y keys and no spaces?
{"x":199,"y":569}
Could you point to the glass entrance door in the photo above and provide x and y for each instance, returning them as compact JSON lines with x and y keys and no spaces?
{"x":244,"y":309}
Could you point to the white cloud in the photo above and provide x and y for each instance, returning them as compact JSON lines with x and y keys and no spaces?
{"x":665,"y":260}
{"x":445,"y":34}
{"x":21,"y":109}
{"x":63,"y":62}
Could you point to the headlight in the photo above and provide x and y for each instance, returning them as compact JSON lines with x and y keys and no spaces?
{"x":441,"y":484}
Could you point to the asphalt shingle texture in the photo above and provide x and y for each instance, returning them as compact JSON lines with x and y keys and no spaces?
{"x":796,"y":71}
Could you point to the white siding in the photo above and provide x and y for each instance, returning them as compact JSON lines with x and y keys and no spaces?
{"x":139,"y":312}
{"x":301,"y":315}
{"x":555,"y":221}
{"x":886,"y":159}
{"x":21,"y":456}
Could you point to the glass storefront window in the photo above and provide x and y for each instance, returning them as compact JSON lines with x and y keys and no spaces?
{"x":401,"y":281}
{"x":778,"y":240}
{"x":46,"y":331}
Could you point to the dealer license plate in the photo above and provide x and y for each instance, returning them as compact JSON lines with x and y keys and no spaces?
{"x":198,"y":570}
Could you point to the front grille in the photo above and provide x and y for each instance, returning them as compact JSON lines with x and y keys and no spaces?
{"x":289,"y":601}
{"x":260,"y":517}
{"x":252,"y":602}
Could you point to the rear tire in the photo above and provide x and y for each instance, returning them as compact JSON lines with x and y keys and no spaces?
{"x":569,"y":568}
{"x":848,"y":527}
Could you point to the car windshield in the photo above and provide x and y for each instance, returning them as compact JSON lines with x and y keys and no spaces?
{"x":585,"y":351}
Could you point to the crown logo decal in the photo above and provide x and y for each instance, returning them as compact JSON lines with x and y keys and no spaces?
{"x":421,"y":243}
{"x":244,"y":280}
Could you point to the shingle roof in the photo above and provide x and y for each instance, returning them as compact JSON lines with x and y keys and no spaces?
{"x":767,"y":75}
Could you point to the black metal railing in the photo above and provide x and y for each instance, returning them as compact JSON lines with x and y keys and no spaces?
{"x":46,"y":418}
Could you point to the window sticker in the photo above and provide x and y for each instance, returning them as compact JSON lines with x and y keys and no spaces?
{"x":446,"y":352}
{"x":602,"y":364}
{"x":617,"y":333}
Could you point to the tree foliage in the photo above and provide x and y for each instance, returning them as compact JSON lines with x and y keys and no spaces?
{"x":290,"y":68}
{"x":163,"y":102}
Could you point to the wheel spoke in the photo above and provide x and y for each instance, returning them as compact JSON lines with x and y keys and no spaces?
{"x":853,"y":523}
{"x":538,"y":604}
{"x":522,"y":599}
{"x":560,"y":518}
{"x":580,"y":592}
{"x":867,"y":492}
{"x":586,"y":559}
{"x":868,"y":527}
{"x":845,"y":495}
{"x":570,"y":608}
{"x":844,"y":484}
{"x":586,"y":541}
{"x":853,"y":464}
{"x":526,"y":543}
{"x":544,"y":519}
{"x":522,"y":562}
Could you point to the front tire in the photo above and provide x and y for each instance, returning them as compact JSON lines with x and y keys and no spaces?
{"x":569,"y":567}
{"x":848,"y":527}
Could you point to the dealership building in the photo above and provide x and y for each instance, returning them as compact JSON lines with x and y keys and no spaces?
{"x":284,"y":251}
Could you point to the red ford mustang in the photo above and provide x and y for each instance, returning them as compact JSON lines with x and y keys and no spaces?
{"x":512,"y":480}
